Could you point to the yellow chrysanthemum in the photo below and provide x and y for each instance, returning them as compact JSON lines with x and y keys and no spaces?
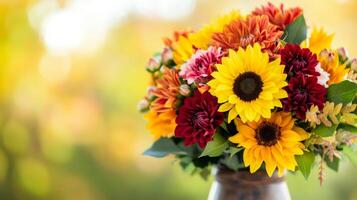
{"x":182,"y":50}
{"x":320,"y":40}
{"x":161,"y":125}
{"x":274,"y":141}
{"x":330,"y":63}
{"x":248,"y":84}
{"x":202,"y":38}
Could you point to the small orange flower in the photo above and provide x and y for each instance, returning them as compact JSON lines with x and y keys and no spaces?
{"x":168,"y":87}
{"x":162,"y":125}
{"x":254,"y":29}
{"x":176,"y":35}
{"x":278,"y":15}
{"x":330,"y":63}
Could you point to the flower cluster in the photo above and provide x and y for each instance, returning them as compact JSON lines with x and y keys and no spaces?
{"x":254,"y":89}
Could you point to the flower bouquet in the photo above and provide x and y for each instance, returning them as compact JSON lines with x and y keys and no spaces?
{"x":253,"y":93}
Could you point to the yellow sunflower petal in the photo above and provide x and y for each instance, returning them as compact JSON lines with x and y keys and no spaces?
{"x":225,"y":107}
{"x":281,"y":171}
{"x":302,"y":133}
{"x":232,"y":114}
{"x":235,"y":138}
{"x":290,"y":136}
{"x":247,"y":157}
{"x":255,"y":165}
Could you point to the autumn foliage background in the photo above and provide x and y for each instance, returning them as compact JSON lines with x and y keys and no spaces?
{"x":71,"y":74}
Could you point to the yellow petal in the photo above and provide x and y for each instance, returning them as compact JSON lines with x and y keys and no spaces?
{"x":231,"y":115}
{"x":270,"y":168}
{"x":225,"y":107}
{"x":235,"y":138}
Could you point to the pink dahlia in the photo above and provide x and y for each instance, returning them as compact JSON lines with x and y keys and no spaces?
{"x":198,"y":119}
{"x":298,"y":60}
{"x":200,"y":66}
{"x":303,"y":92}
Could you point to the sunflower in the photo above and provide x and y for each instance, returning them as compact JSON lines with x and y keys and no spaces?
{"x":161,"y":125}
{"x":248,"y":84}
{"x":202,"y":38}
{"x":330,"y":62}
{"x":274,"y":141}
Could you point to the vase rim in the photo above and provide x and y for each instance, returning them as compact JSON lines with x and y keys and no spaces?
{"x":245,"y":178}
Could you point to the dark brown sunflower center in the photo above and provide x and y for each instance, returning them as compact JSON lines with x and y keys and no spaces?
{"x":248,"y":86}
{"x":268,"y":134}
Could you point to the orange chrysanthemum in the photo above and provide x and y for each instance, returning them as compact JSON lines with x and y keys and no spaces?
{"x":254,"y":29}
{"x":162,"y":125}
{"x":278,"y":15}
{"x":168,"y":87}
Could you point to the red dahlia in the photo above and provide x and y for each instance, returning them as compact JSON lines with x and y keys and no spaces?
{"x":198,"y":119}
{"x":303,"y":92}
{"x":298,"y":60}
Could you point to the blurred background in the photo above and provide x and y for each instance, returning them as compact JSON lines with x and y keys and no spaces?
{"x":71,"y":74}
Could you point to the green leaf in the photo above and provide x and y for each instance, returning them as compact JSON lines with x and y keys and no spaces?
{"x":205,"y":173}
{"x":295,"y":33}
{"x":185,"y":161}
{"x":333,"y":164}
{"x":201,"y":162}
{"x":215,"y":147}
{"x":348,"y":127}
{"x":191,"y":169}
{"x":344,"y":92}
{"x":162,"y":148}
{"x":192,"y":150}
{"x":305,"y":163}
{"x":351,"y":154}
{"x":233,"y":163}
{"x":325,"y":131}
{"x":224,"y":126}
{"x":233,"y":150}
